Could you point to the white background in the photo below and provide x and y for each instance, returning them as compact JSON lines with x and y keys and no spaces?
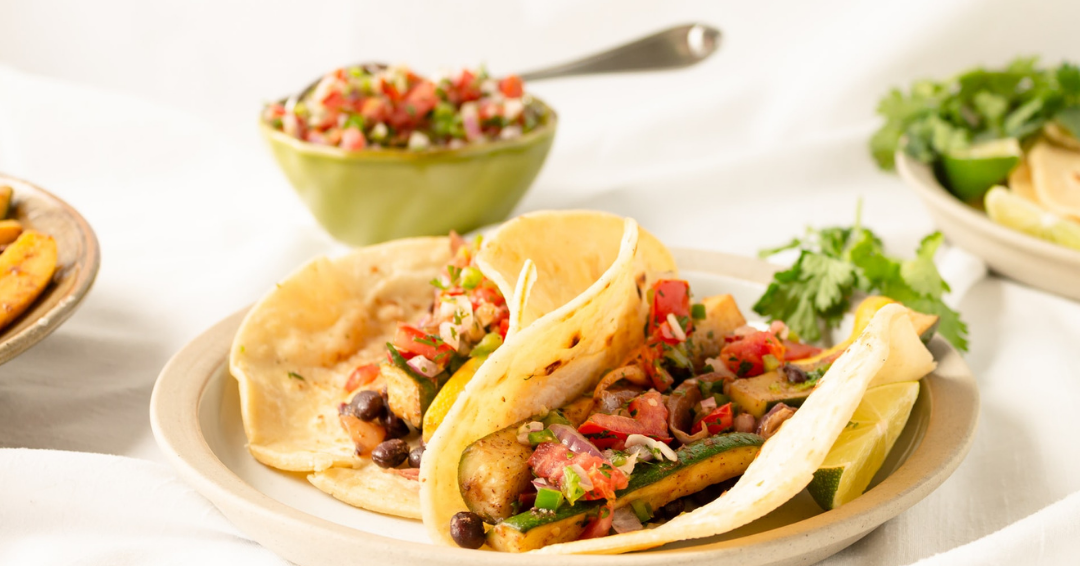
{"x":143,"y":114}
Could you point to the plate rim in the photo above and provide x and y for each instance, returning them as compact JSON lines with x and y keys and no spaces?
{"x":88,"y":263}
{"x":908,"y":169}
{"x":176,"y":427}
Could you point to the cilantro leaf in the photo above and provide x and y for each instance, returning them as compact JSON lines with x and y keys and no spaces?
{"x":836,"y":262}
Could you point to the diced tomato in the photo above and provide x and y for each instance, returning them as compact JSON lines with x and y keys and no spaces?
{"x":550,"y":460}
{"x":718,"y":420}
{"x":511,"y":86}
{"x":374,"y":109}
{"x":665,"y":334}
{"x":744,"y":355}
{"x":599,"y":526}
{"x":352,"y":139}
{"x":333,"y":100}
{"x":671,"y":296}
{"x":649,"y":419}
{"x":411,"y":341}
{"x":275,"y":110}
{"x":362,"y":375}
{"x":799,"y":351}
{"x":466,"y":88}
{"x":504,"y":327}
{"x":423,"y":98}
{"x":486,"y":292}
{"x":390,"y":90}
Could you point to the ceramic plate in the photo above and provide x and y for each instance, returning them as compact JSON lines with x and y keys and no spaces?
{"x":1014,"y":254}
{"x":78,"y":257}
{"x":195,"y":414}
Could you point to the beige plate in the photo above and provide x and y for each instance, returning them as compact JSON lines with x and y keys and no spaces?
{"x":1014,"y":254}
{"x":195,"y":415}
{"x":78,"y":257}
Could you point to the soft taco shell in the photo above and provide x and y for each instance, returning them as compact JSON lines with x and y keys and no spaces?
{"x":888,"y":351}
{"x":298,"y":345}
{"x":584,"y":315}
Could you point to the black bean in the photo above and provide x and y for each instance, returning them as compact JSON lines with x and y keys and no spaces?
{"x":395,"y":426}
{"x":415,"y":455}
{"x":390,"y":453}
{"x":367,"y":406}
{"x":672,"y":510}
{"x":467,"y":530}
{"x":794,"y":374}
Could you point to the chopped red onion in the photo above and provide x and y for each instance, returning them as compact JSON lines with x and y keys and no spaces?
{"x":642,"y":440}
{"x":586,"y":481}
{"x":624,"y":520}
{"x":424,"y":366}
{"x":574,"y":440}
{"x":708,"y":404}
{"x":541,"y":483}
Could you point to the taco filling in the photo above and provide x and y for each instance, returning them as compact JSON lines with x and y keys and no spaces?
{"x":426,"y":365}
{"x":687,"y":410}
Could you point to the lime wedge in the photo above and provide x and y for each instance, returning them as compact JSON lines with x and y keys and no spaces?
{"x":1018,"y":213}
{"x":972,"y":171}
{"x":861,"y":448}
{"x":1055,"y":172}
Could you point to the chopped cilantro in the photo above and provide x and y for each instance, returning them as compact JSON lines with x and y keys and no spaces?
{"x":295,"y":375}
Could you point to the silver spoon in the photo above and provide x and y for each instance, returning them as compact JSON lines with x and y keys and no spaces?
{"x":674,"y":48}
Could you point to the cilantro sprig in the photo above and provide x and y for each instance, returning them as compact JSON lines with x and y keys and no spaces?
{"x":934,"y":118}
{"x":834,"y":263}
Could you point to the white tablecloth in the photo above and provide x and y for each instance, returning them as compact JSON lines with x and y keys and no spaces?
{"x":146,"y":127}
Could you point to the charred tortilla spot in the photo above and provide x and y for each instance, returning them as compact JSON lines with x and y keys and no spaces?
{"x":610,"y":340}
{"x":552,"y":367}
{"x":575,"y":340}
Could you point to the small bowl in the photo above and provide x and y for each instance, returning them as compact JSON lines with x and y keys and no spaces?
{"x":1025,"y":258}
{"x":365,"y":197}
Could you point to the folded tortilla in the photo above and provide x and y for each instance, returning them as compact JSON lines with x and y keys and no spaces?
{"x":888,"y":351}
{"x":297,"y":346}
{"x":584,"y":314}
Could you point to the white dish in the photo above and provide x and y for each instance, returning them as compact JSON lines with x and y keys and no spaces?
{"x":196,"y":419}
{"x":1025,"y":258}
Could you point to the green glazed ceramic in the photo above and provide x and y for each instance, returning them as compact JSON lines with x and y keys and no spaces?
{"x":365,"y":197}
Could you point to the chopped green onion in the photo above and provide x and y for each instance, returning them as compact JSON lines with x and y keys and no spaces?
{"x":548,"y":499}
{"x":488,"y":344}
{"x":542,"y":436}
{"x":642,"y":509}
{"x":770,"y":361}
{"x":471,"y":277}
{"x":572,"y":485}
{"x":698,"y":311}
{"x":678,"y":356}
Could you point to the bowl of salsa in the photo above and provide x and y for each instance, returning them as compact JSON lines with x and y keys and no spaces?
{"x":378,"y":153}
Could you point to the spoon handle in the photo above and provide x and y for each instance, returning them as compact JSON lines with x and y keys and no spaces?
{"x":673,"y":48}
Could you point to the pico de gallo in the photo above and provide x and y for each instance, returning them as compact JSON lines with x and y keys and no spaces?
{"x":372,"y":107}
{"x":389,"y":400}
{"x":688,"y":409}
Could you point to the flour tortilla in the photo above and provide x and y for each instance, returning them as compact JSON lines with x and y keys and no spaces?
{"x":298,"y":345}
{"x":888,"y":351}
{"x":584,"y":314}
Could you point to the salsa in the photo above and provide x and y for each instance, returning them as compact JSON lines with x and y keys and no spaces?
{"x":376,"y":107}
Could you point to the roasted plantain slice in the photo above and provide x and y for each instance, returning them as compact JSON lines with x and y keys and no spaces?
{"x":26,"y":268}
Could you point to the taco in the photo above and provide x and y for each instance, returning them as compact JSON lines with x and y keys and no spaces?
{"x":341,"y":363}
{"x":629,"y":447}
{"x":350,"y":365}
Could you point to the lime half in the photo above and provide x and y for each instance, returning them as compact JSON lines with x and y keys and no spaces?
{"x":861,"y":448}
{"x":1018,"y":213}
{"x":972,"y":171}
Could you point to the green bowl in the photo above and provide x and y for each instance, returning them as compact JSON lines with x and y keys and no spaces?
{"x":366,"y":197}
